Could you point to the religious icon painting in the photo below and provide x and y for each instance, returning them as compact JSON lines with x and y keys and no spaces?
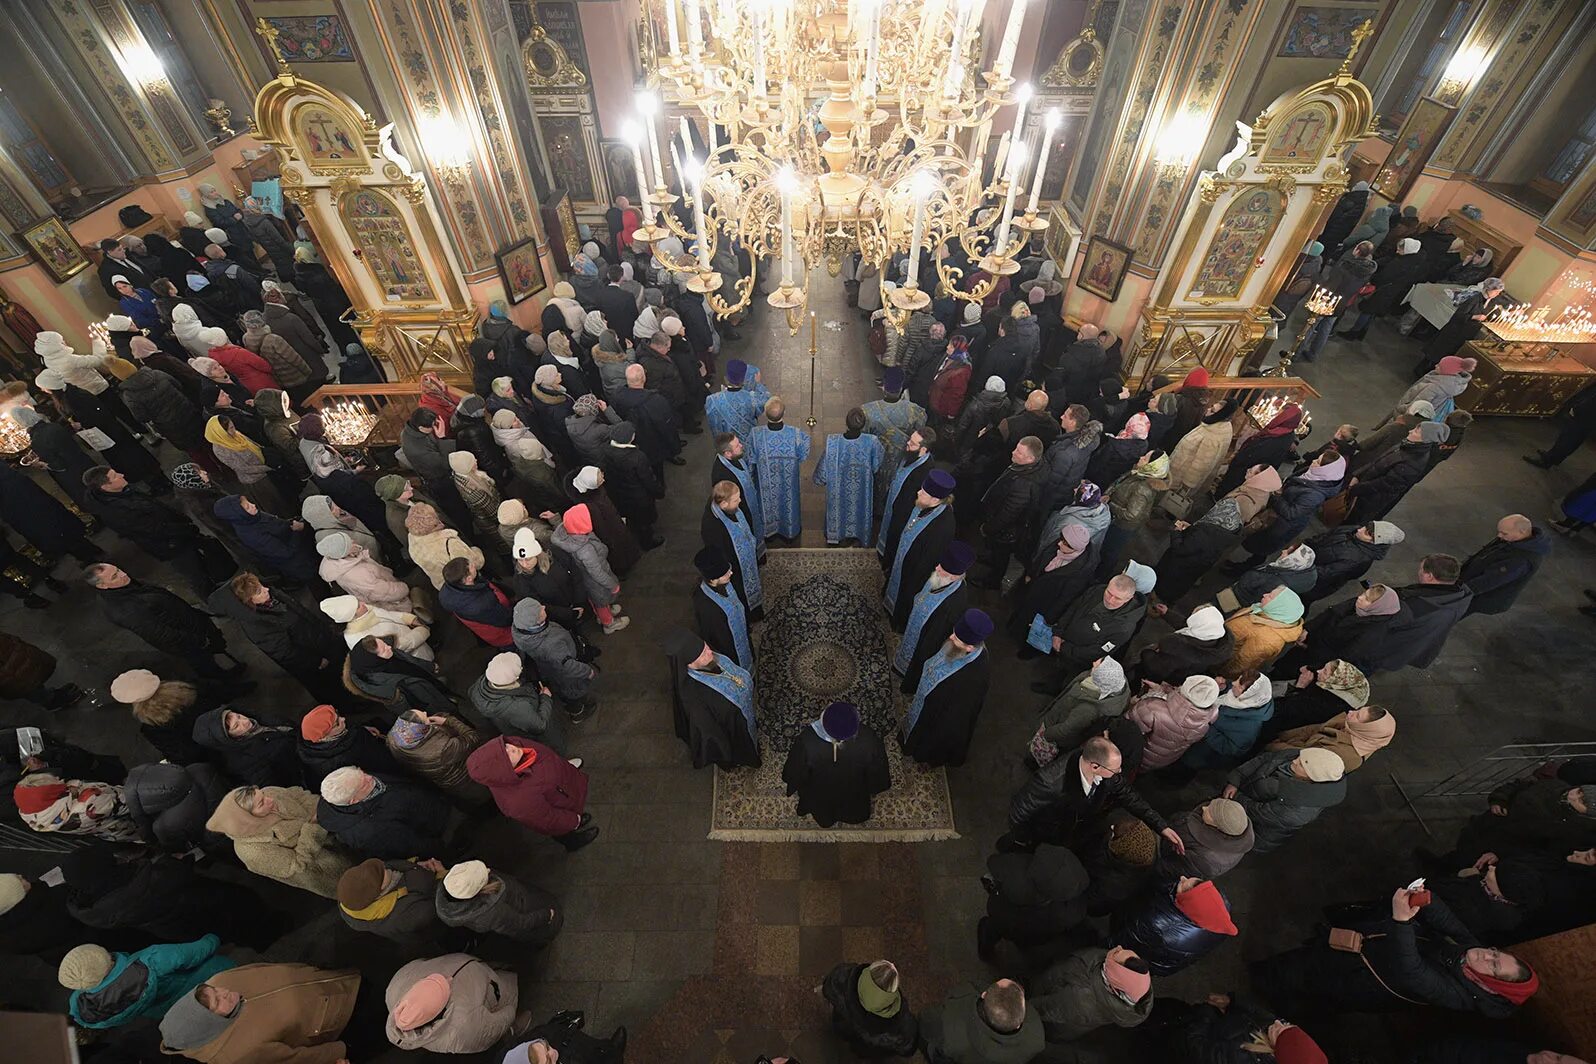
{"x":1416,"y":141}
{"x":620,"y":172}
{"x":56,"y":249}
{"x":1105,"y":267}
{"x":1322,"y":32}
{"x":312,"y":38}
{"x":1300,"y":136}
{"x":566,"y":142}
{"x":382,"y":236}
{"x":326,"y":138}
{"x":521,"y":269}
{"x":1233,"y":250}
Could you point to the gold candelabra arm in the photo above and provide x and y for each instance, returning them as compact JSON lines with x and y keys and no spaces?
{"x":745,"y":292}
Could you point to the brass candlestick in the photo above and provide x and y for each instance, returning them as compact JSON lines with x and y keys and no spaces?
{"x":1321,"y":303}
{"x":814,"y":349}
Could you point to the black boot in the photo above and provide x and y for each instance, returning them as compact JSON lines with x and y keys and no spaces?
{"x":575,"y":840}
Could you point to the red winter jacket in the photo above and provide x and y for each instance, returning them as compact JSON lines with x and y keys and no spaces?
{"x":949,"y":388}
{"x":547,"y":796}
{"x":246,"y":367}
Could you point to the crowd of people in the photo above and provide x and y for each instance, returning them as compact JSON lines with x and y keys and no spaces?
{"x":1007,"y":477}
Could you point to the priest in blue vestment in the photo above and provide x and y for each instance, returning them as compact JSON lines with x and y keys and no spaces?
{"x":914,"y":466}
{"x":940,"y":602}
{"x":725,"y":528}
{"x":737,"y":407}
{"x":892,"y":419}
{"x":777,"y":451}
{"x":947,"y":702}
{"x":731,"y":463}
{"x":718,"y":609}
{"x":847,"y":470}
{"x":926,"y":535}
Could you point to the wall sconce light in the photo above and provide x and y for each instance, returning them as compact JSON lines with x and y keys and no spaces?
{"x":1180,"y":141}
{"x":447,"y":146}
{"x":1460,"y":72}
{"x":143,"y":65}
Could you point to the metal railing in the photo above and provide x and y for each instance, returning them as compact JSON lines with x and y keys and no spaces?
{"x":1489,"y":771}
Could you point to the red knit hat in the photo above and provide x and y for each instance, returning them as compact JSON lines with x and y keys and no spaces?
{"x":1197,"y":378}
{"x":1204,"y":906}
{"x":317,"y":723}
{"x":1295,"y":1047}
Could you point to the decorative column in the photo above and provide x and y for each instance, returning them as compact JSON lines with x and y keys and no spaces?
{"x":127,"y":71}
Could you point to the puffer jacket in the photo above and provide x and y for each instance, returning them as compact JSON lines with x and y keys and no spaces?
{"x":1073,"y":999}
{"x":146,"y":983}
{"x":1259,"y":641}
{"x":370,"y":582}
{"x":1294,"y":506}
{"x":1339,"y":557}
{"x":517,"y":911}
{"x":1066,"y":460}
{"x":591,"y":435}
{"x":1171,"y":723}
{"x":591,"y":558}
{"x":170,"y":803}
{"x":286,"y":364}
{"x":154,"y":398}
{"x":266,"y":756}
{"x":404,"y":914}
{"x":402,"y":820}
{"x":1166,"y":938}
{"x":1132,"y":497}
{"x":552,"y":651}
{"x":440,"y":758}
{"x":316,"y":511}
{"x":1195,"y":459}
{"x":356,"y":746}
{"x":481,"y":1006}
{"x":520,"y":710}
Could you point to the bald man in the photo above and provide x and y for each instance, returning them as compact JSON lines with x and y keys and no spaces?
{"x":654,"y":419}
{"x":1100,"y":622}
{"x":1081,"y":366}
{"x":1498,"y":571}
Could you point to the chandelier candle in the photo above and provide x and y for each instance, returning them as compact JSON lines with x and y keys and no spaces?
{"x":1011,"y":40}
{"x":695,"y":177}
{"x":787,"y":183}
{"x":921,"y":186}
{"x":670,"y":27}
{"x":1022,"y":99}
{"x":1049,"y":125}
{"x":695,"y":31}
{"x":633,"y":135}
{"x":647,"y":104}
{"x":1016,"y":165}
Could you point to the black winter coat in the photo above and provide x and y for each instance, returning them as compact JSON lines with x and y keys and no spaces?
{"x":296,"y":638}
{"x":1269,"y":451}
{"x":517,"y":911}
{"x":1498,"y":571}
{"x":1339,"y":632}
{"x":1435,"y":609}
{"x":135,"y":515}
{"x":160,"y":618}
{"x":170,"y":803}
{"x":1392,"y":281}
{"x":473,"y":434}
{"x":1039,"y":895}
{"x":1339,"y":557}
{"x":1176,"y":656}
{"x":652,"y":415}
{"x":1009,"y":507}
{"x":264,"y":758}
{"x":155,"y":398}
{"x":35,"y":514}
{"x":629,"y":479}
{"x":1166,"y":938}
{"x":1052,"y":807}
{"x":1080,"y":370}
{"x":1293,"y":506}
{"x":1006,"y":357}
{"x":163,"y":898}
{"x":1343,"y":218}
{"x":1114,"y":458}
{"x":356,"y":746}
{"x":1383,"y":483}
{"x":405,"y":820}
{"x":872,"y":1037}
{"x":560,"y":589}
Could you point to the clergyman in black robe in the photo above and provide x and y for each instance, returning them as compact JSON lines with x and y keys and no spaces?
{"x":716,"y":729}
{"x":920,"y":548}
{"x":946,"y":600}
{"x":730,"y":464}
{"x":914,"y":466}
{"x":941,"y":719}
{"x":719,"y":611}
{"x":836,"y":766}
{"x":715,"y":534}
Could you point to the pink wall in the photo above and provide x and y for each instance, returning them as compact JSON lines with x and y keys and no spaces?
{"x":607,"y":35}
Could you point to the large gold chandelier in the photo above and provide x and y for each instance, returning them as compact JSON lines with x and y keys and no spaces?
{"x":851,"y":126}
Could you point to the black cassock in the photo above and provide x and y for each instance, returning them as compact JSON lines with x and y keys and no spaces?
{"x":715,"y":534}
{"x":922,"y":558}
{"x":719,"y":470}
{"x":715,"y":626}
{"x":901,"y":506}
{"x":947,"y":720}
{"x":709,"y":723}
{"x":935,"y":632}
{"x":835,"y":782}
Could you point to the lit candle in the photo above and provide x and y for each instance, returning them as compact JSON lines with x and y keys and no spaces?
{"x":1011,"y":38}
{"x":648,"y":103}
{"x":695,"y":30}
{"x":872,"y":47}
{"x":1016,"y":162}
{"x":787,"y":182}
{"x":695,"y":176}
{"x":953,"y":84}
{"x":1049,"y":125}
{"x":633,"y":134}
{"x":921,"y":186}
{"x":759,"y":49}
{"x":670,"y":27}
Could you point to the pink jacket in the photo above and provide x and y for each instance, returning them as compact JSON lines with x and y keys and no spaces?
{"x":370,"y":582}
{"x":1171,"y":724}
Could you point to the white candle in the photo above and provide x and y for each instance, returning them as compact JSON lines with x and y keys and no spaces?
{"x":1011,"y":38}
{"x":1002,"y":157}
{"x":920,"y":186}
{"x":647,"y":103}
{"x":695,"y":30}
{"x":687,"y":135}
{"x":953,"y":84}
{"x":759,"y":49}
{"x":785,"y":181}
{"x":696,"y":178}
{"x":1016,"y":162}
{"x":1049,"y":125}
{"x":634,"y":136}
{"x":671,"y":34}
{"x":872,"y":47}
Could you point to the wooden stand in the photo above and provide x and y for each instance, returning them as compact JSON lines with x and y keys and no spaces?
{"x":1513,"y":387}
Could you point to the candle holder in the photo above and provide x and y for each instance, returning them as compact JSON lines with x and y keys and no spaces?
{"x":1321,"y":303}
{"x":911,"y":298}
{"x":1030,"y":222}
{"x":704,"y":281}
{"x":14,"y":439}
{"x":347,"y":422}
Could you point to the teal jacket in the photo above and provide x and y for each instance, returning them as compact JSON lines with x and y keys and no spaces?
{"x":147,"y":983}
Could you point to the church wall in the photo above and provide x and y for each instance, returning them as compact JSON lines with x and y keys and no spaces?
{"x":609,"y":35}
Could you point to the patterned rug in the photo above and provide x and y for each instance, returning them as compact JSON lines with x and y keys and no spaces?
{"x":825,"y":638}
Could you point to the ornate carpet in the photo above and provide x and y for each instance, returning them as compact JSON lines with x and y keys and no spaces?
{"x":825,"y":638}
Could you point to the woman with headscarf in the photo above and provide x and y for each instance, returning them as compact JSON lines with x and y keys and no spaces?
{"x":191,"y":234}
{"x":1315,"y":695}
{"x":1196,"y":458}
{"x":283,"y":546}
{"x":574,"y":537}
{"x":1381,"y":486}
{"x":1391,"y":283}
{"x":1097,"y":694}
{"x":432,"y":545}
{"x":480,"y":494}
{"x":1131,"y":501}
{"x":1283,"y":791}
{"x":586,"y":487}
{"x":550,"y":405}
{"x":1356,"y":630}
{"x":562,"y":312}
{"x":951,"y":383}
{"x":1468,"y":317}
{"x":1472,"y":270}
{"x":1087,"y":507}
{"x":610,"y":360}
{"x":1264,"y":630}
{"x":380,"y":670}
{"x":173,"y":263}
{"x":1173,"y":718}
{"x":1299,"y":499}
{"x":245,"y":459}
{"x":1200,"y":648}
{"x":1439,"y":388}
{"x":275,"y":834}
{"x":319,"y":456}
{"x":713,"y":699}
{"x":218,"y":295}
{"x":59,"y":449}
{"x":585,"y":280}
{"x":1343,"y":554}
{"x":1373,"y":230}
{"x":271,"y":233}
{"x":1345,"y":214}
{"x":1194,"y":548}
{"x":279,"y":426}
{"x":1056,"y":575}
{"x":1353,"y":736}
{"x":1291,"y":567}
{"x":325,"y":518}
{"x":531,"y":463}
{"x":1245,"y":705}
{"x":48,"y":802}
{"x":1272,"y":445}
{"x":215,"y":381}
{"x":356,"y":366}
{"x":186,"y":326}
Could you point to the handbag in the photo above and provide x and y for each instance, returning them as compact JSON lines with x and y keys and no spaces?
{"x":1176,"y":502}
{"x":1042,"y":751}
{"x":1335,"y":509}
{"x":1347,"y":941}
{"x":1040,"y":635}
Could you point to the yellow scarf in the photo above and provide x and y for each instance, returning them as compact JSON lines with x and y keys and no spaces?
{"x":231,"y":440}
{"x":379,"y":909}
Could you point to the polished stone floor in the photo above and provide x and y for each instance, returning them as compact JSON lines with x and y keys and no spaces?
{"x":708,"y":952}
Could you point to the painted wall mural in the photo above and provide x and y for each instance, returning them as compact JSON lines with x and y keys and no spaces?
{"x":1415,"y":141}
{"x":312,"y":38}
{"x":505,"y":164}
{"x":1110,"y":96}
{"x":1314,"y":32}
{"x":81,"y":27}
{"x":1232,"y":254}
{"x":385,"y":247}
{"x":568,"y":159}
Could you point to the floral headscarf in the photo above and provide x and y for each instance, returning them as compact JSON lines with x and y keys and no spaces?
{"x":1136,"y":428}
{"x":1346,"y":681}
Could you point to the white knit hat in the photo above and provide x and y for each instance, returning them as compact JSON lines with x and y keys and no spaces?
{"x":340,"y":608}
{"x":84,"y":967}
{"x":465,"y":880}
{"x":134,"y":685}
{"x":526,"y":544}
{"x":504,"y":669}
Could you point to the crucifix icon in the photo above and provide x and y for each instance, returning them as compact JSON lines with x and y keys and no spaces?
{"x":269,"y":34}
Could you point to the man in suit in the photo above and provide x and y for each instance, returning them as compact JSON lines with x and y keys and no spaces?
{"x":1063,"y":801}
{"x":619,"y":305}
{"x":114,"y":262}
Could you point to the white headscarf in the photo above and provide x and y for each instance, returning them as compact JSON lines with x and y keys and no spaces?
{"x":1205,"y":623}
{"x":1297,"y":561}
